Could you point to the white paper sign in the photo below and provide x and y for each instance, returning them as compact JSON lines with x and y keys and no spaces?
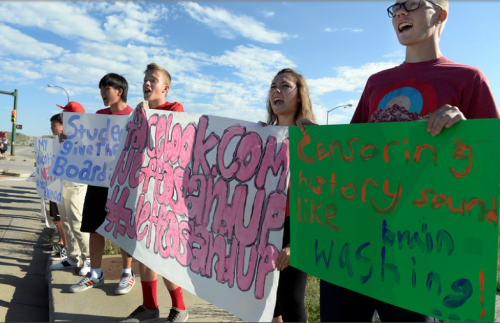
{"x":47,"y":186}
{"x":201,"y":200}
{"x":87,"y":155}
{"x":43,"y":212}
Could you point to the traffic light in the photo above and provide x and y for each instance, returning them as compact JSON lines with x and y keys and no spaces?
{"x":14,"y":115}
{"x":19,"y":126}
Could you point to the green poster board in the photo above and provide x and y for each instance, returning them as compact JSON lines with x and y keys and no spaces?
{"x":391,"y":212}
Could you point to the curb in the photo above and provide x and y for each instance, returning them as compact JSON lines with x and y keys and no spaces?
{"x":48,"y":279}
{"x":14,"y":174}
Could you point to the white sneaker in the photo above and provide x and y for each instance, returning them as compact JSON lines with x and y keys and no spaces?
{"x":85,"y":268}
{"x":64,"y":264}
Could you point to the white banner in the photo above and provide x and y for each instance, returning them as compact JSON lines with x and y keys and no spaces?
{"x":201,"y":200}
{"x":47,"y":185}
{"x":87,"y":155}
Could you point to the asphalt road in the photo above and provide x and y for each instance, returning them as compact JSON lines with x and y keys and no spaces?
{"x":23,"y":161}
{"x":23,"y":151}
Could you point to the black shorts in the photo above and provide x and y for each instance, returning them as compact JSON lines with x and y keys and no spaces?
{"x":54,"y":211}
{"x":93,"y":208}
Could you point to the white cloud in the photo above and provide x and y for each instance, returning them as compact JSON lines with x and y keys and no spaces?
{"x":133,"y":21}
{"x":254,"y":64}
{"x":15,"y":42}
{"x":348,"y":78}
{"x":354,"y":30}
{"x":124,"y":20}
{"x":398,"y":54}
{"x":62,"y":18}
{"x":229,"y":25}
{"x":26,"y":70}
{"x":268,"y":14}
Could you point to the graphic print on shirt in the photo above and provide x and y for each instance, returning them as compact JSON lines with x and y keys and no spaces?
{"x":407,"y":100}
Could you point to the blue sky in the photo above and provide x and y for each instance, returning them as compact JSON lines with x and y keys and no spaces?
{"x":222,"y":55}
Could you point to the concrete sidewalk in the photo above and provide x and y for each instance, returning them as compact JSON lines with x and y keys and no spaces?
{"x":23,"y":290}
{"x":102,"y":305}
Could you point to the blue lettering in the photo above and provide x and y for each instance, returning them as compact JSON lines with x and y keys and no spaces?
{"x":390,"y":267}
{"x":85,"y":172}
{"x":462,"y":286}
{"x":116,"y":132}
{"x":92,"y":137}
{"x":103,"y":134}
{"x":67,"y":146}
{"x":82,"y":131}
{"x":98,"y":146}
{"x":322,"y":254}
{"x":71,"y":123}
{"x":72,"y":171}
{"x":102,"y":175}
{"x":359,"y":257}
{"x":433,"y":277}
{"x":58,"y":168}
{"x":345,"y":259}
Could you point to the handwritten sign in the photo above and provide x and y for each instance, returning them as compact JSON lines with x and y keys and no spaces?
{"x":391,"y":212}
{"x":201,"y":200}
{"x":47,"y":186}
{"x":90,"y":149}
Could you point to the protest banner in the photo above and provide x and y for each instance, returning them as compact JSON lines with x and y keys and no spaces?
{"x":88,"y":153}
{"x":47,"y":186}
{"x":201,"y":200}
{"x":391,"y":212}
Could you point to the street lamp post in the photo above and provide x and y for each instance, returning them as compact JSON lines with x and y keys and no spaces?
{"x":340,"y":106}
{"x":13,"y":137}
{"x":49,"y":85}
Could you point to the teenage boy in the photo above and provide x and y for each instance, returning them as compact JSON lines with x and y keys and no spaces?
{"x":70,"y":211}
{"x":114,"y":90}
{"x":427,"y":86}
{"x":56,"y":126}
{"x":156,"y":86}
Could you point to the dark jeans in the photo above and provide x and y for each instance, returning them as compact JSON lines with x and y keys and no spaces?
{"x":291,"y":289}
{"x":338,"y":304}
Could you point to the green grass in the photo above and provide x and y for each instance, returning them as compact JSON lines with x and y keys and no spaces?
{"x":311,"y":300}
{"x":110,"y":248}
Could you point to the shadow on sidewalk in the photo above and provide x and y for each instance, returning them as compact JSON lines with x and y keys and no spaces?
{"x":30,"y":301}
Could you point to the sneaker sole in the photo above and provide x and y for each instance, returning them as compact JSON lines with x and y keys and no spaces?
{"x":78,"y":289}
{"x":123,"y":291}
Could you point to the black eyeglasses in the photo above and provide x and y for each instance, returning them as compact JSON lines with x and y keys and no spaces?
{"x":409,"y":5}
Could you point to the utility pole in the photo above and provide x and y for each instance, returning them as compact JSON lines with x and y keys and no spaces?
{"x":14,"y":118}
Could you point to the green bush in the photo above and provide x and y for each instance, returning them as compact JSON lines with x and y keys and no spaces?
{"x":312,"y":299}
{"x":110,"y":248}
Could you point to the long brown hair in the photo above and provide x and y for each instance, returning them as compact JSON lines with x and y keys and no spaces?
{"x":304,"y":111}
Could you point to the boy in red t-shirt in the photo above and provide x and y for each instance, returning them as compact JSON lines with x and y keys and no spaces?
{"x":156,"y":86}
{"x":114,"y":90}
{"x":427,"y":86}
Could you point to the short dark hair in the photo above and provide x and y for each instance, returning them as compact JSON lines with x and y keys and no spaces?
{"x":117,"y":82}
{"x":57,"y":118}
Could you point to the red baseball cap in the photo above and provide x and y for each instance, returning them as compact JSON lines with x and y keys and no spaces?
{"x":73,"y":107}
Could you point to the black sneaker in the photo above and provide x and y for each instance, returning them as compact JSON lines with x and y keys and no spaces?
{"x":54,"y":248}
{"x":176,"y":315}
{"x":60,"y":255}
{"x":142,"y":314}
